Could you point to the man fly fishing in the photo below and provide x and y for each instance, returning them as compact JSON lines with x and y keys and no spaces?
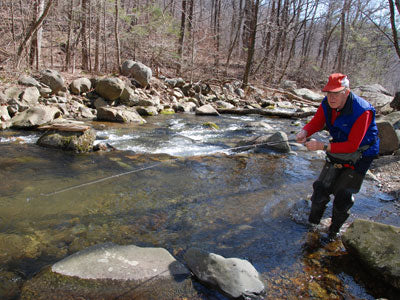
{"x":350,"y":121}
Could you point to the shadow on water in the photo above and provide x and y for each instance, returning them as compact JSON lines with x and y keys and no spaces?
{"x":234,"y":205}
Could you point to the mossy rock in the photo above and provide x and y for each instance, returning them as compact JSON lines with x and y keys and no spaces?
{"x":211,"y":125}
{"x":79,"y":142}
{"x":168,"y":111}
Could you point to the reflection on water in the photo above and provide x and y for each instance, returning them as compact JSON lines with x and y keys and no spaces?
{"x":53,"y":203}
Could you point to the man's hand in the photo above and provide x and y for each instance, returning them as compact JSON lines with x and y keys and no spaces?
{"x":314,"y":145}
{"x":301,"y":137}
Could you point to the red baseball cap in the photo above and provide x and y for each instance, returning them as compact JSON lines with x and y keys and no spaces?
{"x":336,"y":83}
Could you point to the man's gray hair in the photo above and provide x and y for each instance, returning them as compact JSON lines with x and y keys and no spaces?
{"x":345,"y":82}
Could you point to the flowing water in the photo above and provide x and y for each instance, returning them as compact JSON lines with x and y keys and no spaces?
{"x":174,"y":183}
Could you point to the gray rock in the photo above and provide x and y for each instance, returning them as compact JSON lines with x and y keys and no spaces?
{"x":110,"y":88}
{"x":223,"y":104}
{"x":119,"y":114}
{"x":389,"y":141}
{"x":99,"y":102}
{"x":28,"y":81}
{"x":308,"y":94}
{"x":235,"y":277}
{"x":4,"y":115}
{"x":52,"y":79}
{"x":12,"y":93}
{"x":377,"y":246}
{"x":374,"y":94}
{"x":147,"y":110}
{"x":393,"y":118}
{"x":30,"y":95}
{"x":80,"y":85}
{"x":206,"y":110}
{"x":240,"y":93}
{"x":3,"y":99}
{"x":395,"y":104}
{"x":35,"y":116}
{"x":45,"y":92}
{"x":259,"y":125}
{"x":129,"y":97}
{"x":111,"y":261}
{"x":141,"y":73}
{"x":289,"y":85}
{"x":126,"y":68}
{"x":79,"y":142}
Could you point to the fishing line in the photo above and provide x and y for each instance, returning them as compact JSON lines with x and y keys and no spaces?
{"x":157,"y":164}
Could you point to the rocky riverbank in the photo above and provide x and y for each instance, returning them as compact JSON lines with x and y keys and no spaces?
{"x":60,"y":107}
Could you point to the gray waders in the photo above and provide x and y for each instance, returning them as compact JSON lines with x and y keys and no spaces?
{"x":342,"y":183}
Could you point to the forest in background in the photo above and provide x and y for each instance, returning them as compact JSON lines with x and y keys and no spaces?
{"x":255,"y":41}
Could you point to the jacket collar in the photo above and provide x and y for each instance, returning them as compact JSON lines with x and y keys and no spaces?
{"x":348,"y":107}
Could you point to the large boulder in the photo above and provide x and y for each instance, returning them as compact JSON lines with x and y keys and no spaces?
{"x":80,"y":85}
{"x":12,"y":93}
{"x":141,"y":73}
{"x":377,"y":246}
{"x":35,"y":116}
{"x":235,"y":277}
{"x":28,"y":81}
{"x":129,"y":97}
{"x":126,"y":68}
{"x":109,"y":271}
{"x":395,"y":104}
{"x":52,"y":79}
{"x":111,"y":261}
{"x":30,"y":96}
{"x":79,"y":142}
{"x":374,"y":94}
{"x":389,"y":142}
{"x":110,"y":88}
{"x":119,"y":114}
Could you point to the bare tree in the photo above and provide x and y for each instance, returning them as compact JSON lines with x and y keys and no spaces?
{"x":393,"y":24}
{"x":116,"y":31}
{"x":30,"y":32}
{"x":253,"y":31}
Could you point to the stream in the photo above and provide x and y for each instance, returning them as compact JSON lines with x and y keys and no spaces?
{"x":175,"y":183}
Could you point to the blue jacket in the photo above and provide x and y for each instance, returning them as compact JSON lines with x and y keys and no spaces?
{"x":355,"y":106}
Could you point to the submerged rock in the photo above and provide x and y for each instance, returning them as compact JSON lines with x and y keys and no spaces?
{"x":111,"y":261}
{"x":110,"y":271}
{"x":235,"y":277}
{"x":377,"y":246}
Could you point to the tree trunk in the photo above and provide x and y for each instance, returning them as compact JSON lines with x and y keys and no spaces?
{"x":181,"y":37}
{"x":341,"y":48}
{"x":69,"y":39}
{"x":30,"y":32}
{"x":251,"y":44}
{"x":39,"y":36}
{"x":105,"y":59}
{"x":97,"y":45}
{"x":83,"y":35}
{"x":393,"y":24}
{"x":118,"y":54}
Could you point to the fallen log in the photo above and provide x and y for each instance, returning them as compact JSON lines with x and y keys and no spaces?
{"x":265,"y":112}
{"x":65,"y":127}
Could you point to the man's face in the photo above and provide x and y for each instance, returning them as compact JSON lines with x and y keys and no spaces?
{"x":337,"y":100}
